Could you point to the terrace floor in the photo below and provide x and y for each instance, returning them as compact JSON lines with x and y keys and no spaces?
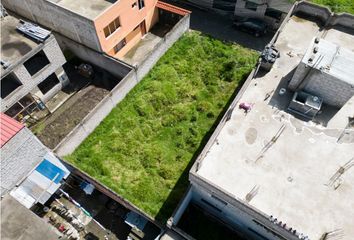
{"x":284,"y":157}
{"x":142,"y":49}
{"x":146,"y":45}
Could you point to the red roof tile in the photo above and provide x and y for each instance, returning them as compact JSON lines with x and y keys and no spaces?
{"x":171,"y":8}
{"x":8,"y":128}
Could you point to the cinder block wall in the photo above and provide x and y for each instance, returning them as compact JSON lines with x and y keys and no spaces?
{"x":333,"y":91}
{"x":56,"y":59}
{"x":29,"y":152}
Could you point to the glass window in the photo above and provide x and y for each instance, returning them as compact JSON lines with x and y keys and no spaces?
{"x":141,"y":4}
{"x":106,"y":31}
{"x":251,"y":6}
{"x":112,"y":27}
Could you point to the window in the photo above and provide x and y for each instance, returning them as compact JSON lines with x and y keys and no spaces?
{"x":48,"y":83}
{"x":9,"y":84}
{"x":141,"y":4}
{"x":251,"y":6}
{"x":36,"y":63}
{"x":119,"y":46}
{"x":273,"y":13}
{"x":112,"y":27}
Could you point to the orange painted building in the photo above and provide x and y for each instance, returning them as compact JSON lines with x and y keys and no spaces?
{"x":122,"y":25}
{"x":110,"y":26}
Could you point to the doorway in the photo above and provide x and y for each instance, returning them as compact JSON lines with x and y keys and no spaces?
{"x":143,"y":28}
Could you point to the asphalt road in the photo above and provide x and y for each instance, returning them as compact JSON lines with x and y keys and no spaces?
{"x":220,"y":27}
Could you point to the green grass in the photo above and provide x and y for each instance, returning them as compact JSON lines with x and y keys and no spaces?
{"x":338,"y":6}
{"x":143,"y":149}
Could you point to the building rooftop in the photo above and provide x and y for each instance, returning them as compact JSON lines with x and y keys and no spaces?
{"x":14,"y":45}
{"x":8,"y":128}
{"x":20,"y":154}
{"x":331,"y":59}
{"x":88,"y":9}
{"x":18,"y":222}
{"x":295,"y":170}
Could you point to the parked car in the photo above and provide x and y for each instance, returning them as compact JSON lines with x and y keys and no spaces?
{"x":255,"y":26}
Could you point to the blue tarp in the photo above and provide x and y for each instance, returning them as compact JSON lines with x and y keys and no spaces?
{"x":49,"y":170}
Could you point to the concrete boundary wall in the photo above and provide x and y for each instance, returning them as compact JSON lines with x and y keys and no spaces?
{"x":343,"y":19}
{"x":96,"y":115}
{"x":130,"y":77}
{"x":165,"y":43}
{"x":116,"y":67}
{"x":110,"y":193}
{"x":314,"y":10}
{"x":328,"y":18}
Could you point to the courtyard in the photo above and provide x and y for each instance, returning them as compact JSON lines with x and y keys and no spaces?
{"x":144,"y":148}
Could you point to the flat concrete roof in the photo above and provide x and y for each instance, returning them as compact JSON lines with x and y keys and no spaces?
{"x":332,"y":59}
{"x":14,"y":45}
{"x":18,"y":222}
{"x":88,"y":9}
{"x":142,"y":49}
{"x":300,"y":168}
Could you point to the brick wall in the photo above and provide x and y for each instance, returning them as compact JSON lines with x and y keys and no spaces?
{"x":333,"y":91}
{"x":56,"y":59}
{"x":19,"y":157}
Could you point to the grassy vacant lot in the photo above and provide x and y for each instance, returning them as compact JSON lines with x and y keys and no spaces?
{"x":145,"y":146}
{"x":338,"y":6}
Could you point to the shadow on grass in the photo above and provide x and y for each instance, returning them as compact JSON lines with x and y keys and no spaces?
{"x":182,"y":184}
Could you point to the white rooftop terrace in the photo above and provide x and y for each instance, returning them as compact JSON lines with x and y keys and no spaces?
{"x":14,"y":45}
{"x":301,"y":168}
{"x":88,"y":9}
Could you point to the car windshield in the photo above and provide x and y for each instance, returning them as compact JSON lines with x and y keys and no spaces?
{"x":256,"y":21}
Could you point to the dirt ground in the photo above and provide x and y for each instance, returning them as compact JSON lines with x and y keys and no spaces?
{"x":53,"y":129}
{"x":88,"y":92}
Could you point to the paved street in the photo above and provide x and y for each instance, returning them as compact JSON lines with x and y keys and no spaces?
{"x":220,"y":27}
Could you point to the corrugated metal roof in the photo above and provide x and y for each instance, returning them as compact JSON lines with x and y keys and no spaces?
{"x":171,"y":8}
{"x":8,"y":128}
